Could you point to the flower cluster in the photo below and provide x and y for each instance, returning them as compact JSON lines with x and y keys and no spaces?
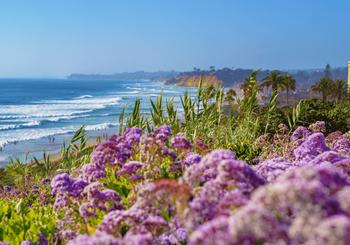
{"x":297,"y":195}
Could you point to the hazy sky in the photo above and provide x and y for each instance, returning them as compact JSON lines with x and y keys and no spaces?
{"x":41,"y":38}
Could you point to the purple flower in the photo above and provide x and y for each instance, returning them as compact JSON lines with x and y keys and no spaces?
{"x":26,"y":243}
{"x":199,"y":144}
{"x":310,"y":148}
{"x":132,"y":135}
{"x":42,"y":240}
{"x":60,"y":183}
{"x":299,"y":134}
{"x":230,"y":202}
{"x":326,"y":157}
{"x":342,"y":145}
{"x":238,"y":174}
{"x":93,"y":191}
{"x":77,"y":187}
{"x":180,"y":142}
{"x":45,"y":181}
{"x":162,"y":133}
{"x":87,"y":210}
{"x":92,"y":172}
{"x":343,"y":166}
{"x":96,"y":239}
{"x":192,"y":158}
{"x":271,"y":169}
{"x":344,"y":200}
{"x":139,"y":239}
{"x":61,"y":201}
{"x":136,"y":177}
{"x":318,"y":127}
{"x":203,"y":206}
{"x":254,"y":224}
{"x":154,"y":222}
{"x":332,"y":137}
{"x":110,"y":195}
{"x":130,"y":168}
{"x":212,"y":232}
{"x":207,"y":168}
{"x":105,"y":152}
{"x":113,"y":221}
{"x":333,"y":230}
{"x":67,"y":234}
{"x":117,"y":149}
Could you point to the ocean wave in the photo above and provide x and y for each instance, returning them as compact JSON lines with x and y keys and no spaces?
{"x":101,"y":126}
{"x":17,"y":126}
{"x":42,"y":115}
{"x":134,"y":88}
{"x":85,"y":96}
{"x":33,"y":134}
{"x":57,"y":108}
{"x":32,"y":123}
{"x":7,"y":127}
{"x":132,"y":92}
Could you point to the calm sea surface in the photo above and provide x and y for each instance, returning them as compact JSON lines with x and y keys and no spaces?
{"x":32,"y":111}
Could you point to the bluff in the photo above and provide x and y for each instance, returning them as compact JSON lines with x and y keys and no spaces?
{"x":225,"y":77}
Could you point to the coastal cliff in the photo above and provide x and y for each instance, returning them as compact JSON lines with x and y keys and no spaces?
{"x":225,"y":77}
{"x":194,"y":80}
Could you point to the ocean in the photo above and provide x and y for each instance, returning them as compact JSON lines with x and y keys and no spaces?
{"x":33,"y":112}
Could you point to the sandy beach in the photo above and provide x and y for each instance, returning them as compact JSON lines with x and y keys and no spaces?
{"x":26,"y":150}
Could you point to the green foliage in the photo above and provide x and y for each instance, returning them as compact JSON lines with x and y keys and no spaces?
{"x":44,"y":167}
{"x":137,"y":119}
{"x":20,"y":222}
{"x":336,"y":115}
{"x":271,"y":108}
{"x":294,"y":117}
{"x":18,"y":174}
{"x":275,"y":80}
{"x":120,"y":184}
{"x":77,"y":152}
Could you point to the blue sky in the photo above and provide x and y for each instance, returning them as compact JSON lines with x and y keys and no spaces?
{"x":55,"y":38}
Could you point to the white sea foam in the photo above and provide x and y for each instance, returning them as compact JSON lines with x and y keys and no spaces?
{"x":32,"y":123}
{"x":56,"y":108}
{"x":13,"y":136}
{"x":85,"y":96}
{"x":101,"y":126}
{"x":17,"y":126}
{"x":7,"y":127}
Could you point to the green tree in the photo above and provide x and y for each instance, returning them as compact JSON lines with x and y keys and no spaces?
{"x":339,"y":89}
{"x":327,"y":71}
{"x":325,"y":87}
{"x":274,"y":80}
{"x":289,"y":83}
{"x":250,"y":84}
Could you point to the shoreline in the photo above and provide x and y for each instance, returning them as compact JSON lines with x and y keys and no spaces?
{"x":26,"y":150}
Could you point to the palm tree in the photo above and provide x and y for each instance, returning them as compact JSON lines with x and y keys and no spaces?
{"x":339,"y":89}
{"x":274,"y":80}
{"x":325,"y":87}
{"x":250,"y":84}
{"x":289,"y":84}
